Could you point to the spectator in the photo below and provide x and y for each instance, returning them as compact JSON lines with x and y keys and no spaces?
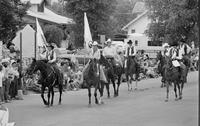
{"x":13,"y":75}
{"x":1,"y":85}
{"x":7,"y":81}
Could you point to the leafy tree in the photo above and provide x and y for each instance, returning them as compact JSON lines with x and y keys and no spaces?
{"x":53,"y":34}
{"x":99,"y":16}
{"x":173,"y":20}
{"x":11,"y":13}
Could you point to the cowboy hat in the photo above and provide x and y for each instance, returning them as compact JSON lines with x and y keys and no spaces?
{"x":12,"y":61}
{"x":165,"y":45}
{"x":108,"y":40}
{"x":129,"y":42}
{"x":95,"y":43}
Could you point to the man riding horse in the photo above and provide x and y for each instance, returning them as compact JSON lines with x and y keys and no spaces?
{"x":131,"y":52}
{"x":110,"y":53}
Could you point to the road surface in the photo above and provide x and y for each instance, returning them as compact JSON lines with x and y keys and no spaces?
{"x":144,"y":107}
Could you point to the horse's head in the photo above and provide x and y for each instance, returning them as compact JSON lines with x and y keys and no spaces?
{"x":103,"y":61}
{"x":33,"y":67}
{"x":93,"y":67}
{"x":159,"y":56}
{"x":168,"y":62}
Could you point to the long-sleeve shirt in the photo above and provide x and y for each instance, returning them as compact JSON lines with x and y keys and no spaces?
{"x":95,"y":54}
{"x":109,"y":51}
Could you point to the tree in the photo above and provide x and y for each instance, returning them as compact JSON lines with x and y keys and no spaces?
{"x":173,"y":20}
{"x":53,"y":34}
{"x":99,"y":16}
{"x":11,"y":13}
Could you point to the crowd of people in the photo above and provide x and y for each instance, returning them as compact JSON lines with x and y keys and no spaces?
{"x":9,"y":73}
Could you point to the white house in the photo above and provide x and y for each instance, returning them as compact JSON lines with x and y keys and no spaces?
{"x":136,"y":31}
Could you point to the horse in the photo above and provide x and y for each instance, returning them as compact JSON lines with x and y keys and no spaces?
{"x":112,"y":72}
{"x":51,"y":77}
{"x":131,"y":72}
{"x":91,"y":78}
{"x":172,"y":74}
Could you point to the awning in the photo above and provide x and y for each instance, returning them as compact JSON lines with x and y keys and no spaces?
{"x":50,"y":16}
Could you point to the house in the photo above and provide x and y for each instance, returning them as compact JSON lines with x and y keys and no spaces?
{"x":45,"y":15}
{"x":28,"y":34}
{"x":136,"y":31}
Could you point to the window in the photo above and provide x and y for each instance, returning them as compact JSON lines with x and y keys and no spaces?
{"x":41,"y":7}
{"x":133,"y":31}
{"x":154,"y":43}
{"x":136,"y":42}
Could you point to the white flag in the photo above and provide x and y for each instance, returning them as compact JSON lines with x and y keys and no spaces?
{"x":87,"y":33}
{"x":41,"y":41}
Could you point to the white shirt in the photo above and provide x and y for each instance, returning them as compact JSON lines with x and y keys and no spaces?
{"x":109,"y":51}
{"x":96,"y":54}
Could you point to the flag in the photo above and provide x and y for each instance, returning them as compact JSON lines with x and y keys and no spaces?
{"x":87,"y":33}
{"x":41,"y":41}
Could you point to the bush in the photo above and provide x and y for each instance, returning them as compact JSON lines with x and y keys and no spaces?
{"x":53,"y":34}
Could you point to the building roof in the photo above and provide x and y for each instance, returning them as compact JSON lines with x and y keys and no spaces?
{"x":134,"y":20}
{"x":50,"y":16}
{"x":139,"y":7}
{"x":32,"y":1}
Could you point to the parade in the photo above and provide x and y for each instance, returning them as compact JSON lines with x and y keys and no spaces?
{"x":44,"y":74}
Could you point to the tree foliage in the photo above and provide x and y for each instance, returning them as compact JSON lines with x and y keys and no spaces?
{"x":173,"y":20}
{"x":53,"y":34}
{"x":11,"y":13}
{"x":99,"y":17}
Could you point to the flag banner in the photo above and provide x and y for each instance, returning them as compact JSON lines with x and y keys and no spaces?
{"x":41,"y":41}
{"x":87,"y":33}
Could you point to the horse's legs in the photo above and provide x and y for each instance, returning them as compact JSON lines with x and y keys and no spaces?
{"x":167,"y":87}
{"x":60,"y":91}
{"x":52,"y":97}
{"x":181,"y":90}
{"x":108,"y":89}
{"x":114,"y":88}
{"x":128,"y":82}
{"x":48,"y":95}
{"x":89,"y":95}
{"x":175,"y":84}
{"x":95,"y":94}
{"x":118,"y":84}
{"x":101,"y":88}
{"x":42,"y":95}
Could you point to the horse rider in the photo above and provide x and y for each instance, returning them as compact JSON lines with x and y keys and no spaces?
{"x":96,"y":54}
{"x":43,"y":53}
{"x":110,"y":53}
{"x":184,"y":51}
{"x":177,"y":56}
{"x":131,"y":52}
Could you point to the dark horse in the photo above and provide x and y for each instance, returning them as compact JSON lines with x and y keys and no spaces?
{"x":131,"y":72}
{"x":172,"y":74}
{"x":92,"y":79}
{"x":51,"y":78}
{"x":112,"y":71}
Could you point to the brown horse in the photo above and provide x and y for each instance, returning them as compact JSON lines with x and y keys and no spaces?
{"x":172,"y":74}
{"x":131,"y":72}
{"x":92,"y":79}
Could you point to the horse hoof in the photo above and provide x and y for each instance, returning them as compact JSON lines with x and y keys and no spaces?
{"x":102,"y":102}
{"x":135,"y":89}
{"x":176,"y":99}
{"x":180,"y":98}
{"x":108,"y":96}
{"x":166,"y":100}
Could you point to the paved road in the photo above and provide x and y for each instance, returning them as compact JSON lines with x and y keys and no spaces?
{"x":144,"y":107}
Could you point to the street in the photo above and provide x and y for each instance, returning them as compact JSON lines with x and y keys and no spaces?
{"x":143,"y":107}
